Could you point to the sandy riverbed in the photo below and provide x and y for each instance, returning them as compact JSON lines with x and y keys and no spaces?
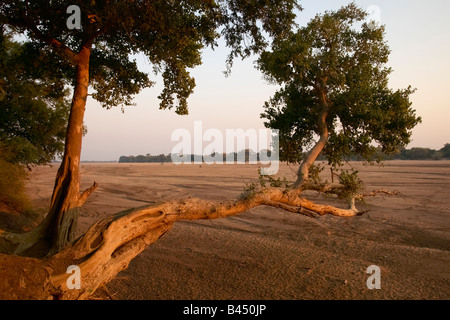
{"x":267,"y":253}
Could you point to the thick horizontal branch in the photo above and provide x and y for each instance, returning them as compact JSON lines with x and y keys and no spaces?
{"x":110,"y":244}
{"x":293,"y":209}
{"x":61,"y":48}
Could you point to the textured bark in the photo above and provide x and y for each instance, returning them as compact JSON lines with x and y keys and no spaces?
{"x":66,"y":196}
{"x":57,"y":229}
{"x":110,"y":244}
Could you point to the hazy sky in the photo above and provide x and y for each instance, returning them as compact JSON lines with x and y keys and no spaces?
{"x":418,"y":33}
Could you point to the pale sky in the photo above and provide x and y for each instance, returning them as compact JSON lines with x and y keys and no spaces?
{"x":418,"y":34}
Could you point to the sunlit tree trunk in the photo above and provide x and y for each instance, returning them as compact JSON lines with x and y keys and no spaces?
{"x":66,"y":197}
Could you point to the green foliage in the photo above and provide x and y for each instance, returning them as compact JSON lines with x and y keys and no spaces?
{"x":244,"y":155}
{"x":417,"y":154}
{"x":34,"y":107}
{"x":278,"y":183}
{"x":171,"y":35}
{"x":423,"y":153}
{"x":437,"y":155}
{"x":351,"y":184}
{"x":272,"y":181}
{"x":34,"y":112}
{"x":336,"y":65}
{"x":314,"y":175}
{"x":262,"y":181}
{"x":146,"y":159}
{"x":446,"y":151}
{"x":250,"y":189}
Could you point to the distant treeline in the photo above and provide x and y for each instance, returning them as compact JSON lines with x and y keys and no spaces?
{"x":244,"y":155}
{"x":411,"y":154}
{"x":424,"y":153}
{"x":403,"y":154}
{"x":147,"y":158}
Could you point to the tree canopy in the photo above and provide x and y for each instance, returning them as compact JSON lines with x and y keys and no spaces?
{"x":95,"y":51}
{"x":34,"y":105}
{"x":171,"y":34}
{"x":334,"y":95}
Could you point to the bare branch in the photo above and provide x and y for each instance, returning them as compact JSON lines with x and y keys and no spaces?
{"x":65,"y":51}
{"x":382,"y":192}
{"x":86,"y":194}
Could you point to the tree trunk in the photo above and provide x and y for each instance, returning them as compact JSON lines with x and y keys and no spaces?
{"x":66,"y":198}
{"x":57,"y":229}
{"x":303,"y":171}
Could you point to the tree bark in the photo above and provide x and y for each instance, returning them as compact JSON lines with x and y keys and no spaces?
{"x":66,"y":197}
{"x":57,"y":229}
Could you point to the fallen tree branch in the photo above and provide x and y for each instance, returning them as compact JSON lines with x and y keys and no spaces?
{"x":110,"y":244}
{"x":293,"y":209}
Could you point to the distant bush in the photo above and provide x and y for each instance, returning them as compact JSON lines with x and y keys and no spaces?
{"x":446,"y":151}
{"x":145,"y":159}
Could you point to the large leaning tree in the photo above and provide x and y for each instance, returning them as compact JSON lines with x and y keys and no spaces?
{"x":334,"y":99}
{"x":96,"y":49}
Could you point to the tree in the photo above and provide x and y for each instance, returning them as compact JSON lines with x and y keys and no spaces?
{"x":446,"y":151}
{"x":171,"y":35}
{"x":33,"y":116}
{"x":33,"y":107}
{"x":97,"y":56}
{"x":96,"y":51}
{"x":334,"y":97}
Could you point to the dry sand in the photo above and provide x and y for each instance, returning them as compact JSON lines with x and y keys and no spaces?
{"x":270,"y":254}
